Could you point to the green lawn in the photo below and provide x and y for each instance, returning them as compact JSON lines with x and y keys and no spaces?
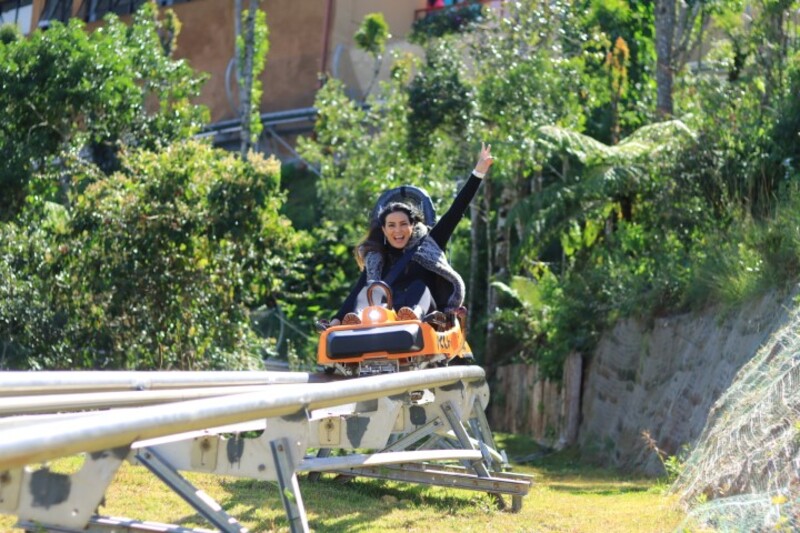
{"x":566,"y":497}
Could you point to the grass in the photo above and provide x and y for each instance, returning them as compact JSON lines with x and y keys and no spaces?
{"x":566,"y":497}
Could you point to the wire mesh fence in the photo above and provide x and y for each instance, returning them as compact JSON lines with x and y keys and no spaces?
{"x":744,"y":472}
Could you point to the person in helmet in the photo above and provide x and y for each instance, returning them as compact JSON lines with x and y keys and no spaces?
{"x":427,"y":283}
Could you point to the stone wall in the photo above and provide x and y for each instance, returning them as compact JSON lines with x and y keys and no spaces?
{"x":664,"y":378}
{"x":661,"y":377}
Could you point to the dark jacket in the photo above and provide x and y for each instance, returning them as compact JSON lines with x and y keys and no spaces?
{"x":441,"y":233}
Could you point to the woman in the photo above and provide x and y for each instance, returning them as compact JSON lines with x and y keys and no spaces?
{"x":427,"y":282}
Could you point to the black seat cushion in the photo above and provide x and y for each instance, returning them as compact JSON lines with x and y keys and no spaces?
{"x":390,"y":339}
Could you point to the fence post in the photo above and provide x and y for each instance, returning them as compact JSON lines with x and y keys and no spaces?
{"x":571,"y":404}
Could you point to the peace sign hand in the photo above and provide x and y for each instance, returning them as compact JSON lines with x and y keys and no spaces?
{"x":485,"y":159}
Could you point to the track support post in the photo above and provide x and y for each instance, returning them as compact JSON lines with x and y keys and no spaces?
{"x":480,"y":426}
{"x":290,"y":490}
{"x":453,"y":417}
{"x":199,"y":500}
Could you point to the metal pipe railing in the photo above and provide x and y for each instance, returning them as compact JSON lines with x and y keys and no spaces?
{"x":121,"y":427}
{"x":301,"y":114}
{"x":15,"y":383}
{"x":60,"y":403}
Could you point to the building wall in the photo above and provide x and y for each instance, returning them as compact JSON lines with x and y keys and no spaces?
{"x":349,"y":14}
{"x":291,"y":76}
{"x":354,"y":67}
{"x":299,"y":52}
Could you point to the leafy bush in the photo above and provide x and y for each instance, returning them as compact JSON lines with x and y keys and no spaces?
{"x":9,"y":32}
{"x":29,"y":323}
{"x":153,"y":267}
{"x":438,"y":99}
{"x":66,"y":91}
{"x":516,"y":321}
{"x":746,"y":259}
{"x":447,"y":21}
{"x":728,"y":168}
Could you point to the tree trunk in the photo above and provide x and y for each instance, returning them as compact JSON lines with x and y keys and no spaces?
{"x":499,"y":269}
{"x":502,"y":256}
{"x":615,"y":127}
{"x":238,"y":58}
{"x":571,"y":400}
{"x":244,"y":69}
{"x":376,"y":70}
{"x":665,"y":32}
{"x":703,"y":23}
{"x":491,"y":296}
{"x":772,"y":51}
{"x":474,"y":257}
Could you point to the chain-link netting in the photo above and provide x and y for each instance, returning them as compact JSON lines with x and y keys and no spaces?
{"x":744,"y":472}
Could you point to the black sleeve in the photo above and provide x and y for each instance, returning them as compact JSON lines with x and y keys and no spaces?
{"x":350,"y":303}
{"x":444,"y":228}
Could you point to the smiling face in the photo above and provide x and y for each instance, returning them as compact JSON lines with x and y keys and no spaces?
{"x":397,"y":228}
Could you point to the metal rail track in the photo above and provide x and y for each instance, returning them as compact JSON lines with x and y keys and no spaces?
{"x":415,"y":424}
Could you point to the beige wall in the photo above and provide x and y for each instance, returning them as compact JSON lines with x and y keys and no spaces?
{"x":206,"y":41}
{"x":349,"y":14}
{"x":295,"y":59}
{"x":354,"y":67}
{"x":290,"y":78}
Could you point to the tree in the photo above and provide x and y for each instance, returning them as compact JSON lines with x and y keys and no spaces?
{"x":371,"y":37}
{"x":612,"y":23}
{"x":154,"y":267}
{"x":158,"y":247}
{"x":600,"y":179}
{"x":771,"y":42}
{"x":68,"y":95}
{"x":591,"y":241}
{"x":252,"y":45}
{"x":617,"y":65}
{"x":679,"y":29}
{"x":439,"y":99}
{"x":665,"y":37}
{"x":523,"y":61}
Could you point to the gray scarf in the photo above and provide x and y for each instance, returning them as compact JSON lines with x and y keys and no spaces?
{"x":430,"y":257}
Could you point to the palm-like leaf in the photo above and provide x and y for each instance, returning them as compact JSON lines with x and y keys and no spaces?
{"x":604,"y":175}
{"x":565,"y":141}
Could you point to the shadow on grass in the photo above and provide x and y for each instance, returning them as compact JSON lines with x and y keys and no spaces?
{"x":598,"y":490}
{"x":559,"y":464}
{"x":335,"y":505}
{"x":357,"y":504}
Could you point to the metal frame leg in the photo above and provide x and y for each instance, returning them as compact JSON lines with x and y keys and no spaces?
{"x":458,"y":428}
{"x":290,"y":490}
{"x":433,"y":442}
{"x":483,"y":424}
{"x":481,"y":429}
{"x":199,"y":500}
{"x":323,"y":452}
{"x":415,"y":436}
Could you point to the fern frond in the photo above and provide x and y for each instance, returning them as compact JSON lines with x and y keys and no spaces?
{"x":562,"y":140}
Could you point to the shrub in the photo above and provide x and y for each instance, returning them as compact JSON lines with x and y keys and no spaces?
{"x":155,"y":266}
{"x":445,"y":22}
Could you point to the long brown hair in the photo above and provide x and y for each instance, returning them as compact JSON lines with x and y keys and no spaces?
{"x":374,"y":241}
